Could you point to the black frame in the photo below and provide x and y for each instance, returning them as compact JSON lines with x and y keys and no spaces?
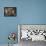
{"x":15,"y":11}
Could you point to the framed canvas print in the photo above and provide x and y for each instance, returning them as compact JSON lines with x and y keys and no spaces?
{"x":10,"y":11}
{"x":32,"y":32}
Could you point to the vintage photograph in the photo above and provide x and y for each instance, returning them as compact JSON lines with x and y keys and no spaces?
{"x":9,"y":11}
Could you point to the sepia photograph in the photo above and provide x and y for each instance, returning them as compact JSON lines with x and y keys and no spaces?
{"x":9,"y":11}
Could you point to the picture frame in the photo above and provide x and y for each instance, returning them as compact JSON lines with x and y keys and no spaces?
{"x":10,"y":11}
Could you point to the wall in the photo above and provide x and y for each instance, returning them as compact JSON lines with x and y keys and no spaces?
{"x":28,"y":12}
